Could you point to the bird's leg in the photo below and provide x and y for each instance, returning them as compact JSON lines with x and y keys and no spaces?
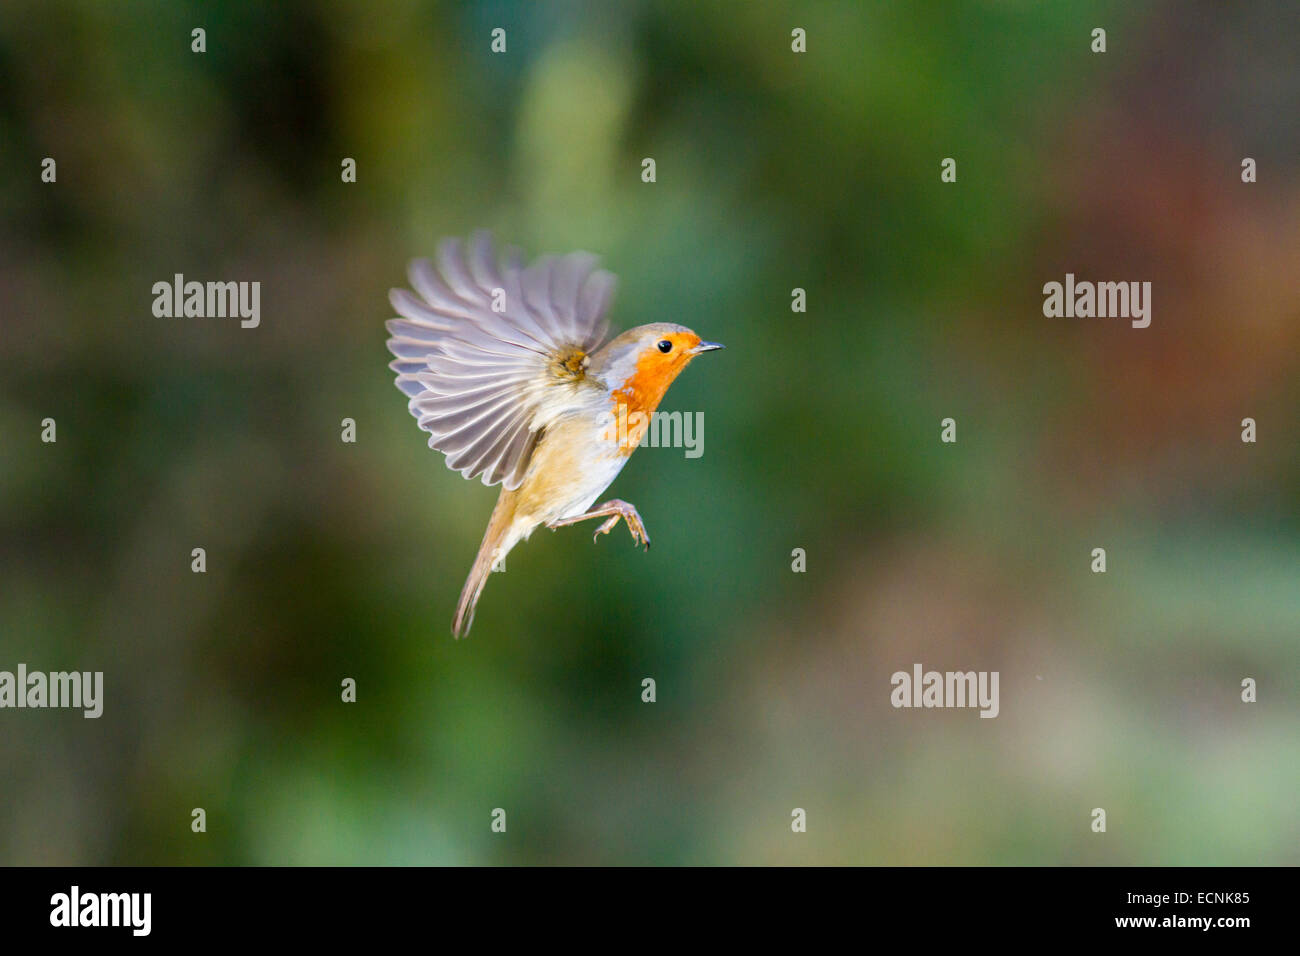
{"x":614,"y":509}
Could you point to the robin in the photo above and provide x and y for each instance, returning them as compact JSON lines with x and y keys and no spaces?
{"x":504,"y":368}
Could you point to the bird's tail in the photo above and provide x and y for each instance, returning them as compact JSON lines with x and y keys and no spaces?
{"x":497,"y":541}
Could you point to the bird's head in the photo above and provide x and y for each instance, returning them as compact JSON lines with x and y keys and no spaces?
{"x":640,"y":364}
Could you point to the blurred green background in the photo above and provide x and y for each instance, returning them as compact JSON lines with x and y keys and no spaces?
{"x":775,"y":170}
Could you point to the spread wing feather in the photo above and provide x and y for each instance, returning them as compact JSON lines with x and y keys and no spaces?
{"x":475,"y":376}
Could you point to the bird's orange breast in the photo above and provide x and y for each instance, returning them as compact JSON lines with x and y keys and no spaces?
{"x":645,"y":388}
{"x":636,"y":400}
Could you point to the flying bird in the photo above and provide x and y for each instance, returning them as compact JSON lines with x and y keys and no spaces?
{"x":504,"y":368}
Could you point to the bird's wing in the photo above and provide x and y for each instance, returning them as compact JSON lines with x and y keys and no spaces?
{"x":478,"y":348}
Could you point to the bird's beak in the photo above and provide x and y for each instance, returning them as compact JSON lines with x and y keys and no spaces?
{"x":706,"y":347}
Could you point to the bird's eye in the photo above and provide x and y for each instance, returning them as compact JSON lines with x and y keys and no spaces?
{"x":665,"y":345}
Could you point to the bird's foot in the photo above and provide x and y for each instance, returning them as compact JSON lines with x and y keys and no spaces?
{"x":617,"y":509}
{"x":613,"y":510}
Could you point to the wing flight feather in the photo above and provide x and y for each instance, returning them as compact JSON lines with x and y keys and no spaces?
{"x":473,"y":347}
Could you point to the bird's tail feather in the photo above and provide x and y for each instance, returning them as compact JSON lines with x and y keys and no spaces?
{"x":496,"y":543}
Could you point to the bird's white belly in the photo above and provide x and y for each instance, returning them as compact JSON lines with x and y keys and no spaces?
{"x":572,"y":467}
{"x":599,"y":477}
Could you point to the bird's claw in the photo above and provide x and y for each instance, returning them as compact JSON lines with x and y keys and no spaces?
{"x":634,"y":526}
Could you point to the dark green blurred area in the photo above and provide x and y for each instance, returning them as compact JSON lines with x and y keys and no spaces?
{"x":775,"y":170}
